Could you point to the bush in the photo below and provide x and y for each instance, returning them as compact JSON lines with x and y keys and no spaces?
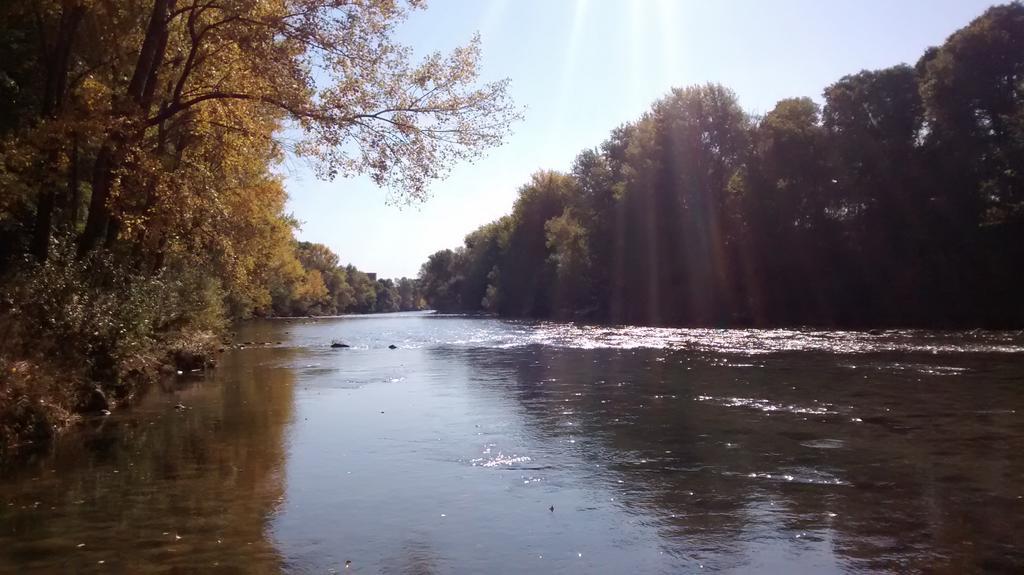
{"x":98,"y":324}
{"x":32,"y":405}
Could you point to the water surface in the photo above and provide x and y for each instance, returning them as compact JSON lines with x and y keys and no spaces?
{"x":659,"y":450}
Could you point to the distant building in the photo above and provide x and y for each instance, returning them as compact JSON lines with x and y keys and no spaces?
{"x":372,"y":276}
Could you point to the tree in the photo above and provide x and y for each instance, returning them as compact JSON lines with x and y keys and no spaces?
{"x":480,"y":255}
{"x":156,"y":80}
{"x":785,"y":192}
{"x":526,"y":274}
{"x":973,"y":98}
{"x":409,"y":295}
{"x":973,"y":101}
{"x":570,"y":257}
{"x":439,"y":281}
{"x":679,"y":160}
{"x":340,"y":290}
{"x":364,"y":292}
{"x":898,"y":202}
{"x":316,"y":257}
{"x":597,"y":208}
{"x":387,"y":297}
{"x":873,"y":121}
{"x":140,"y":201}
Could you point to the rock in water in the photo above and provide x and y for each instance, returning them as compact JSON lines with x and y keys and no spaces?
{"x":95,"y":401}
{"x":187,"y":360}
{"x":339,"y":344}
{"x":392,"y":346}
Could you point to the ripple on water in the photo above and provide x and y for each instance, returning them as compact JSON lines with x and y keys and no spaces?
{"x":922,"y":368}
{"x":740,"y":341}
{"x":500,"y":460}
{"x":824,"y":444}
{"x":928,"y":369}
{"x":768,"y":406}
{"x":799,"y":476}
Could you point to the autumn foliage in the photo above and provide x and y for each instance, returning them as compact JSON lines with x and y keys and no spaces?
{"x":139,"y":145}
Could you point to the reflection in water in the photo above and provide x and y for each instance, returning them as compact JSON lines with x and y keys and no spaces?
{"x":827,"y":469}
{"x":485,"y":446}
{"x":155,"y":489}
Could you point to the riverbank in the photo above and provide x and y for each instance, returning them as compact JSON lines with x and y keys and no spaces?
{"x":44,"y":392}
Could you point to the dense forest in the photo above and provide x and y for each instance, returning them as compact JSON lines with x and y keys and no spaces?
{"x":141,"y":201}
{"x":898,"y":202}
{"x":327,"y":288}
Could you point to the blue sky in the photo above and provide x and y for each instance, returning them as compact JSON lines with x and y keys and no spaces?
{"x":583,"y":67}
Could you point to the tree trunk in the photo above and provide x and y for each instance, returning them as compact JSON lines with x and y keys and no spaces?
{"x":99,"y":223}
{"x":74,"y":194}
{"x":58,"y":64}
{"x":99,"y":214}
{"x":161,"y":251}
{"x":113,"y":231}
{"x":151,"y":52}
{"x":44,"y":221}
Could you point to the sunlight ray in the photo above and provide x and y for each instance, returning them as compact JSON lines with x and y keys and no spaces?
{"x":567,"y":78}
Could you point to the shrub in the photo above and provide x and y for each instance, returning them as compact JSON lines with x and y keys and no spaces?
{"x":97,"y":323}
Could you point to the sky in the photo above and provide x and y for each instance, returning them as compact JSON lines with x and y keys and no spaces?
{"x":579,"y":68}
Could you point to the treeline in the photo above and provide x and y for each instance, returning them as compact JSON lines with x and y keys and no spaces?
{"x":900,"y":201}
{"x":141,"y":206}
{"x":323,"y":287}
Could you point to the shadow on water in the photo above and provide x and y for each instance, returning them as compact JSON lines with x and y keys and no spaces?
{"x":876,"y":463}
{"x":156,"y":489}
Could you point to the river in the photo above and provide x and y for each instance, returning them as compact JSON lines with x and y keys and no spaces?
{"x":489,"y":446}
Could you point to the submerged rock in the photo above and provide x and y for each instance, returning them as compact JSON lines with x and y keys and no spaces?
{"x":95,"y":401}
{"x":189,"y":360}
